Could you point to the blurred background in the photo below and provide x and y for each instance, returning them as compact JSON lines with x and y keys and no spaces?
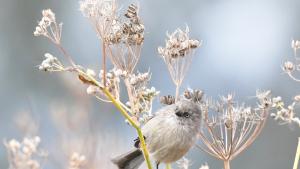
{"x":244,"y":44}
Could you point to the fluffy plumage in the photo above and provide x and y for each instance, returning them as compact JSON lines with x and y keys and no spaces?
{"x":169,"y":135}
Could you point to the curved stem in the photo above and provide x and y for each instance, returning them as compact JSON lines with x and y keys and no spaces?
{"x":125,"y":114}
{"x":226,"y":164}
{"x":116,"y":103}
{"x":138,"y":129}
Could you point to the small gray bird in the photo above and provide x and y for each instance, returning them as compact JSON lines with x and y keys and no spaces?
{"x":168,"y":135}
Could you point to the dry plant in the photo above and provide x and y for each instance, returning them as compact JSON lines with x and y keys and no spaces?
{"x":178,"y":54}
{"x":286,"y":115}
{"x":121,"y":38}
{"x":25,"y":154}
{"x":228,"y":127}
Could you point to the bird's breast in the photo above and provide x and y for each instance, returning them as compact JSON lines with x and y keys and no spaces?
{"x":168,"y":140}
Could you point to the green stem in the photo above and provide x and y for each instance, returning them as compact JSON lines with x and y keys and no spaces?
{"x":125,"y":114}
{"x":297,"y":156}
{"x":138,"y":129}
{"x":168,"y":166}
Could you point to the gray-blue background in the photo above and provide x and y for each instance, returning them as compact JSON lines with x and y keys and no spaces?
{"x":244,"y":44}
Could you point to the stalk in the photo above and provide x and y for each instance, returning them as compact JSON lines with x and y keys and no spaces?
{"x":226,"y":164}
{"x":104,"y":63}
{"x":138,"y":129}
{"x":297,"y":156}
{"x":118,"y":106}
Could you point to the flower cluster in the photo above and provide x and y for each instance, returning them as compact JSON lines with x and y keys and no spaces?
{"x":205,"y":166}
{"x":76,"y":161}
{"x":101,"y":13}
{"x":288,"y":67}
{"x":140,"y":96}
{"x":130,"y":32}
{"x":124,"y":40}
{"x":230,"y":128}
{"x":48,"y":27}
{"x":167,"y":100}
{"x":291,"y":67}
{"x":178,"y":45}
{"x":285,"y":115}
{"x":21,"y":154}
{"x":295,"y":45}
{"x":112,"y":82}
{"x":51,"y":64}
{"x":184,"y":163}
{"x":195,"y":95}
{"x":177,"y":54}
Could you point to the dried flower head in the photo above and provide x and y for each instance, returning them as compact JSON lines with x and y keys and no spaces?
{"x":285,"y":115}
{"x":125,"y":39}
{"x":177,"y":54}
{"x":195,"y":95}
{"x":295,"y":45}
{"x":77,"y":161}
{"x":184,"y":163}
{"x":112,"y":83}
{"x":230,"y":128}
{"x":288,"y":66}
{"x":48,"y":27}
{"x":205,"y":166}
{"x":101,"y":14}
{"x":51,"y":64}
{"x":167,"y":100}
{"x":21,"y":155}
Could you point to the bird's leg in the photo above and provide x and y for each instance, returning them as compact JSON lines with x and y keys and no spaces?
{"x":137,"y":142}
{"x":157,"y":164}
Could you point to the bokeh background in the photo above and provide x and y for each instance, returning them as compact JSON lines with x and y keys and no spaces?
{"x":244,"y":44}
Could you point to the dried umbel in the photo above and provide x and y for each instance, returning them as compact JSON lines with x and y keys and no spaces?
{"x":292,"y":67}
{"x":101,"y":13}
{"x":51,"y":64}
{"x":23,"y":155}
{"x":285,"y":115}
{"x":228,"y":128}
{"x":184,"y":163}
{"x":77,"y":161}
{"x":48,"y":27}
{"x":125,"y":39}
{"x":167,"y":100}
{"x":112,"y":83}
{"x":140,"y":96}
{"x":177,"y":54}
{"x":195,"y":95}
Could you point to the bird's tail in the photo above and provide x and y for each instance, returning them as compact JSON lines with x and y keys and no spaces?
{"x":130,"y":160}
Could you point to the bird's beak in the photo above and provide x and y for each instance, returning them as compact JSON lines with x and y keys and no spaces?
{"x":178,"y":113}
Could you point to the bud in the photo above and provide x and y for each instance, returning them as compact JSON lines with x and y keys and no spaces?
{"x":288,"y":66}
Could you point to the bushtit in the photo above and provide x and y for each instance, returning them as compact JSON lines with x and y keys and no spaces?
{"x":168,"y":135}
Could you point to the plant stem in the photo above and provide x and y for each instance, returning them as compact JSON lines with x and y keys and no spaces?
{"x":297,"y":155}
{"x":138,"y":129}
{"x":168,"y":166}
{"x":226,"y":164}
{"x":177,"y":92}
{"x":104,"y":63}
{"x":125,"y":114}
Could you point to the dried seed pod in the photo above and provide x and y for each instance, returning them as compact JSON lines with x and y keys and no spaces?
{"x":195,"y":95}
{"x":131,"y":11}
{"x":167,"y":100}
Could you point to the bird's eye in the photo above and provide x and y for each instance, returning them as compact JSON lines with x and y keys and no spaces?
{"x":186,"y":114}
